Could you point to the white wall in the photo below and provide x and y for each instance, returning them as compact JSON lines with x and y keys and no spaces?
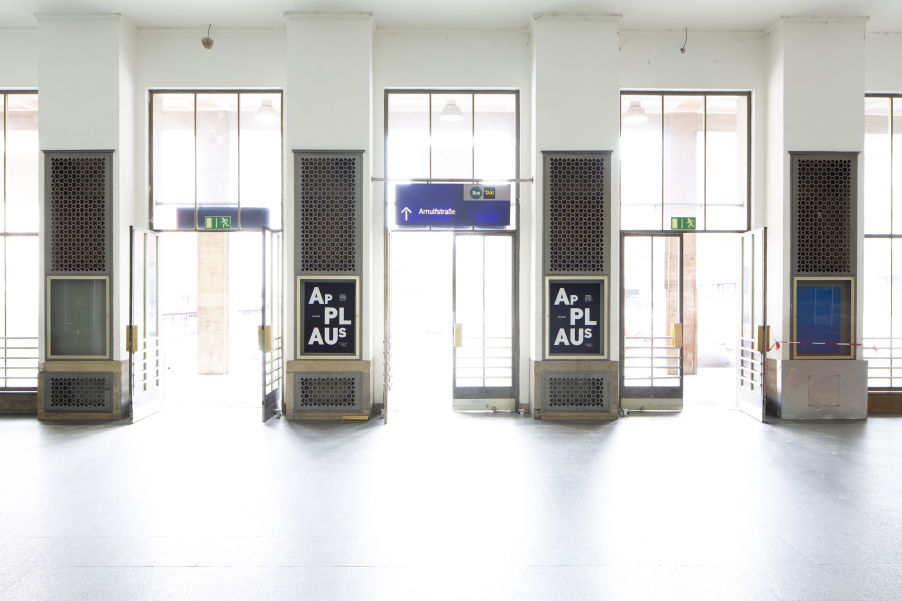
{"x":19,"y":67}
{"x":451,"y":59}
{"x":883,"y":62}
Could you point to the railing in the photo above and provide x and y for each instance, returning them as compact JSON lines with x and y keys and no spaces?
{"x":881,"y":362}
{"x":751,"y":370}
{"x":147,"y":360}
{"x":486,"y":358}
{"x":22,"y":363}
{"x":635,"y":357}
{"x":272,"y":366}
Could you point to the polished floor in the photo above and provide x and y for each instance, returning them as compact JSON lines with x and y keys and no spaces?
{"x":203,"y":502}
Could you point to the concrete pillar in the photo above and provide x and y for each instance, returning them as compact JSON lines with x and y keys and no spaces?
{"x":212,"y":303}
{"x":815,"y":69}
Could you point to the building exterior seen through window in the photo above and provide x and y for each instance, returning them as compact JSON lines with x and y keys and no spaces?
{"x":883,"y":240}
{"x":684,"y":161}
{"x":216,"y":154}
{"x":19,"y":249}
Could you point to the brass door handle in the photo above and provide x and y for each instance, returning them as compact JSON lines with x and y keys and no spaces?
{"x":458,"y":335}
{"x":264,"y":337}
{"x":132,"y":338}
{"x":676,"y":330}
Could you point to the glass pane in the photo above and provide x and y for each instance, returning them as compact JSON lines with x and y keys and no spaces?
{"x":151,"y":323}
{"x":2,"y":157}
{"x":261,"y":160}
{"x":747,"y":300}
{"x":823,"y":310}
{"x":897,"y":166}
{"x":78,"y":325}
{"x":896,"y":292}
{"x":138,"y":281}
{"x":640,"y":163}
{"x":217,"y":149}
{"x":684,"y":158}
{"x":495,"y":136}
{"x":637,"y":310}
{"x":408,"y":136}
{"x":173,"y":161}
{"x":877,"y":319}
{"x":498,"y":287}
{"x":469,"y":301}
{"x":877,"y":182}
{"x":22,"y":286}
{"x":452,"y":136}
{"x":22,"y":162}
{"x":726,"y":160}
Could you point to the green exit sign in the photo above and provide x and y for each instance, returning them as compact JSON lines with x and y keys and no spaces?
{"x":219,"y":223}
{"x":682,"y":223}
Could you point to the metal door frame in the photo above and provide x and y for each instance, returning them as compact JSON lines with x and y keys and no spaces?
{"x":132,"y":340}
{"x":515,"y":330}
{"x":746,"y":399}
{"x":649,"y":392}
{"x":273,"y":407}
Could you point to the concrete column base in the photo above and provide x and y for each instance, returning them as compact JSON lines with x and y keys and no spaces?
{"x":816,"y":389}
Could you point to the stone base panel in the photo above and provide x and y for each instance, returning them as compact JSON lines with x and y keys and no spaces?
{"x":572,"y":370}
{"x":346,"y":373}
{"x":120,"y":399}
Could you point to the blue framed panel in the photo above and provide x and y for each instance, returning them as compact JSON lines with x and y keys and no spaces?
{"x":823,"y":317}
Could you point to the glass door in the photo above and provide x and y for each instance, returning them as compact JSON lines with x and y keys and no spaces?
{"x":753,"y":338}
{"x":484,"y":322}
{"x":146,"y":369}
{"x":651,"y":321}
{"x":271,"y":327}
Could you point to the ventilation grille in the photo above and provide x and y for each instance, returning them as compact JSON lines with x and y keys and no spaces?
{"x":576,"y":215}
{"x":328,"y":206}
{"x":576,"y":391}
{"x":824,"y":233}
{"x":78,"y":215}
{"x":78,"y":392}
{"x":335,"y":391}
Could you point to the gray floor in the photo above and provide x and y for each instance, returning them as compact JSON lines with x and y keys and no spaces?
{"x":207,"y":503}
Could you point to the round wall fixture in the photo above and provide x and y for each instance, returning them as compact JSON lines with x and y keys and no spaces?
{"x":207,"y":41}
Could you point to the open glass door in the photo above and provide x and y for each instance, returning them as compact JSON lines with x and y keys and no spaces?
{"x":146,"y":367}
{"x":651,"y":322}
{"x":271,"y":327}
{"x":753,"y":338}
{"x":484,"y":366}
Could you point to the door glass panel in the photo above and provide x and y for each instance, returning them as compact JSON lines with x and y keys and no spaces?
{"x":150,"y":322}
{"x":469,"y":299}
{"x":637,"y":310}
{"x":747,"y":286}
{"x":498,"y":311}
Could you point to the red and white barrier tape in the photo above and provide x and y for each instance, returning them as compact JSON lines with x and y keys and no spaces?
{"x":777,"y":343}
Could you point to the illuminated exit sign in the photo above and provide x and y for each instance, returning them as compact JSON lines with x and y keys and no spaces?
{"x":217,"y":223}
{"x":682,"y":223}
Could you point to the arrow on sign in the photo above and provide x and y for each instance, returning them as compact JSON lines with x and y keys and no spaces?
{"x":406,"y":212}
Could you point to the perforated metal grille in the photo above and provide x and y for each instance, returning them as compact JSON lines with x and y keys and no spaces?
{"x":327,"y":392}
{"x":77,"y":393}
{"x":328,"y":208}
{"x":576,"y":391}
{"x":576,"y":215}
{"x":824,"y":234}
{"x":78,"y":215}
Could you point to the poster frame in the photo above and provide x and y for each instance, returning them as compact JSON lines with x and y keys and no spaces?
{"x":299,"y":315}
{"x":603,"y":281}
{"x":793,"y":352}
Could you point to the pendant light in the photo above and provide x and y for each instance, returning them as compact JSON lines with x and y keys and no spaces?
{"x":267,"y":114}
{"x":635,"y":114}
{"x":451,"y":112}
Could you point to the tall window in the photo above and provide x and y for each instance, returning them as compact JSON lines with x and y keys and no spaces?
{"x":216,"y":154}
{"x":446,"y":135}
{"x":883,"y":240}
{"x":684,"y":155}
{"x":19,"y":250}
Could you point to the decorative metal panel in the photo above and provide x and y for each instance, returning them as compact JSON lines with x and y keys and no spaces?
{"x":78,"y":213}
{"x":577,"y":212}
{"x":336,"y":392}
{"x":824,"y":187}
{"x":576,"y":391}
{"x":78,"y":392}
{"x":328,"y":212}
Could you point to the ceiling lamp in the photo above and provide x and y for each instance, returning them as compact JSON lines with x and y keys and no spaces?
{"x":266,"y":114}
{"x":635,"y":114}
{"x":451,"y":112}
{"x":207,"y":41}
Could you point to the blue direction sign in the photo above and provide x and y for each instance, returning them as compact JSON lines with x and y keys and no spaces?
{"x":452,"y":205}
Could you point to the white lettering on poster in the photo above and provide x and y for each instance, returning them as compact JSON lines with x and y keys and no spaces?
{"x":329,"y":335}
{"x":577,"y":335}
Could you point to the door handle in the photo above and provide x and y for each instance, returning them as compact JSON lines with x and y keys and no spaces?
{"x":132,"y":338}
{"x":762,"y":341}
{"x":458,"y":335}
{"x":676,"y":330}
{"x":264,"y":336}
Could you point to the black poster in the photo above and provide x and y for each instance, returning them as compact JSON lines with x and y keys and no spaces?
{"x":329,"y":315}
{"x":575,"y":318}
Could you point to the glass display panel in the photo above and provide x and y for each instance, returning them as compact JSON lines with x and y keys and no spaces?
{"x":260,"y":148}
{"x":78,"y":317}
{"x":22,"y":160}
{"x":684,"y":158}
{"x":408,"y":136}
{"x":877,"y":157}
{"x":173,"y":159}
{"x":640,"y":167}
{"x":495,"y":136}
{"x":823,"y":315}
{"x":452,"y":136}
{"x":726,"y":161}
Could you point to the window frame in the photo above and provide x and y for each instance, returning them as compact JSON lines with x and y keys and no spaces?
{"x":195,"y":91}
{"x":5,"y":235}
{"x":748,"y":154}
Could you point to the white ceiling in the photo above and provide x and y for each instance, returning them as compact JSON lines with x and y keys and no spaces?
{"x":730,"y":15}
